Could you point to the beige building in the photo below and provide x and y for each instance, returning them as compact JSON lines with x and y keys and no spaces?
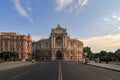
{"x":14,"y":42}
{"x":59,"y":46}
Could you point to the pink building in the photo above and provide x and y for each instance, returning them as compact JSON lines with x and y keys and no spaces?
{"x":14,"y":42}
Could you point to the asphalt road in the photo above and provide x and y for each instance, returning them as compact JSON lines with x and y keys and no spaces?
{"x":59,"y":71}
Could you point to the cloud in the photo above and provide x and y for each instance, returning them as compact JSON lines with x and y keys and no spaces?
{"x":107,"y":43}
{"x":72,"y":4}
{"x":29,"y":8}
{"x":61,"y":4}
{"x":116,"y":17}
{"x":110,"y":21}
{"x":35,"y":38}
{"x":107,"y":20}
{"x":116,"y":29}
{"x":112,"y":18}
{"x":21,"y":9}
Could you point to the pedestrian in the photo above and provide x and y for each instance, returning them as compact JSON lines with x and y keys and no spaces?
{"x":14,"y":59}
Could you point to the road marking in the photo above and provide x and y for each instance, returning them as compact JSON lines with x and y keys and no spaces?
{"x":21,"y":74}
{"x":106,"y":78}
{"x":60,"y":72}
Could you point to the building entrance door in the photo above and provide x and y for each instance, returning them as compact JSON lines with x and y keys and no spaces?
{"x":59,"y":55}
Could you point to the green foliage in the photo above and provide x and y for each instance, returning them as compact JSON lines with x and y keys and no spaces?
{"x":103,"y":55}
{"x":87,"y":50}
{"x":8,"y":56}
{"x":108,"y":56}
{"x":117,"y":54}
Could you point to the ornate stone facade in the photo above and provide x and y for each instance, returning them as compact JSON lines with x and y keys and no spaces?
{"x":59,"y":46}
{"x":14,"y":42}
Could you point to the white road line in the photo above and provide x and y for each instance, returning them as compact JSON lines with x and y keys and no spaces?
{"x":106,"y":78}
{"x":60,"y":72}
{"x":21,"y":74}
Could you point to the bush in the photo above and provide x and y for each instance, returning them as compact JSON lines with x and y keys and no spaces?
{"x":8,"y":56}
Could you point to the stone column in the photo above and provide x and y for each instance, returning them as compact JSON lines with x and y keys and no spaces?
{"x":63,"y":41}
{"x":64,"y":55}
{"x":53,"y":55}
{"x":54,"y":41}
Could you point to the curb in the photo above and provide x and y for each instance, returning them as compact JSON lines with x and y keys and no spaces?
{"x":102,"y":67}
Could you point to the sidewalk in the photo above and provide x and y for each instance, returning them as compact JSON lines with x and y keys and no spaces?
{"x":111,"y":65}
{"x":10,"y":65}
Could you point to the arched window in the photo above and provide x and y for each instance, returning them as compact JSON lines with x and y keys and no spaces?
{"x":46,"y":44}
{"x":58,"y":42}
{"x":40,"y":45}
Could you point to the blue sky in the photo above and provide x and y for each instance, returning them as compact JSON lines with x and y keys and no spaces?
{"x":95,"y":22}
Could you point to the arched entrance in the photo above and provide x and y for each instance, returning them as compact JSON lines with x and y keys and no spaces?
{"x":59,"y":55}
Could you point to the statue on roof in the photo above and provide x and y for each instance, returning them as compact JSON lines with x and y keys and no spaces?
{"x":58,"y":26}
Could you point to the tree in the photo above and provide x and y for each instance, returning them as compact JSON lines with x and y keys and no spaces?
{"x":8,"y":56}
{"x":102,"y":53}
{"x":103,"y":56}
{"x":87,"y":50}
{"x":111,"y":56}
{"x":117,"y":54}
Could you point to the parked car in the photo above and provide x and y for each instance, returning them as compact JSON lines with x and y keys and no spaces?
{"x":23,"y":60}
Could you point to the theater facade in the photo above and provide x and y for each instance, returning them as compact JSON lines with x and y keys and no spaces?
{"x":59,"y":46}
